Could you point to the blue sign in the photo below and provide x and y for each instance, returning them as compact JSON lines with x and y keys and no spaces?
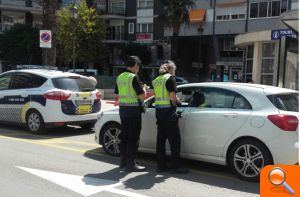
{"x":277,"y":33}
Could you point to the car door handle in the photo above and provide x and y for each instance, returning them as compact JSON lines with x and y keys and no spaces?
{"x":230,"y":115}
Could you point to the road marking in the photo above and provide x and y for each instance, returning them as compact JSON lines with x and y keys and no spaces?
{"x":83,"y":185}
{"x":53,"y":144}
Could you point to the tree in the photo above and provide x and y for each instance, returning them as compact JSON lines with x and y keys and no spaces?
{"x":175,"y":12}
{"x":20,"y":45}
{"x":49,"y":22}
{"x":87,"y":30}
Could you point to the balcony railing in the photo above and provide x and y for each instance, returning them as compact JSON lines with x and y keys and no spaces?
{"x":115,"y":36}
{"x":113,"y":7}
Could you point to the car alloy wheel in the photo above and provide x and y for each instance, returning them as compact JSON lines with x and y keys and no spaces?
{"x":111,"y":139}
{"x":35,"y":122}
{"x":248,"y":157}
{"x":248,"y":160}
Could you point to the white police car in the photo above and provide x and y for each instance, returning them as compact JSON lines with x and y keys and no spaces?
{"x":47,"y":98}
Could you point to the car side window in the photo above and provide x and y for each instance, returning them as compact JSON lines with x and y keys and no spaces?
{"x":217,"y":98}
{"x":26,"y":80}
{"x":241,"y":103}
{"x":5,"y":81}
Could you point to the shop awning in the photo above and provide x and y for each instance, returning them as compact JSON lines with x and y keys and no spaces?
{"x":197,"y":16}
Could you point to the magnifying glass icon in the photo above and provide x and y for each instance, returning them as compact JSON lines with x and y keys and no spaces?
{"x":277,"y":177}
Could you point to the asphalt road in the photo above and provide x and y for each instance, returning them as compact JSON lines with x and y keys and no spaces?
{"x":67,"y":162}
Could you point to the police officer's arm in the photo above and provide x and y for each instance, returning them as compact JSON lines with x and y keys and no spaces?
{"x":137,"y":86}
{"x":171,"y":87}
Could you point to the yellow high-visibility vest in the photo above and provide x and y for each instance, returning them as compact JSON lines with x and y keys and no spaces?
{"x":127,"y":94}
{"x":162,"y":95}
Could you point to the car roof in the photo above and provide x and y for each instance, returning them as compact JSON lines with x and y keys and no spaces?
{"x":267,"y":89}
{"x":45,"y":73}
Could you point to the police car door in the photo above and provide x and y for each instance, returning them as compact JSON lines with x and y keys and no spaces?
{"x":5,"y":80}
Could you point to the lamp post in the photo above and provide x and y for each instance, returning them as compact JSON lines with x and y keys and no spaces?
{"x":73,"y":11}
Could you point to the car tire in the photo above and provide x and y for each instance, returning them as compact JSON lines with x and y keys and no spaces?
{"x":88,"y":127}
{"x":247,"y":158}
{"x":110,"y":139}
{"x":35,"y":122}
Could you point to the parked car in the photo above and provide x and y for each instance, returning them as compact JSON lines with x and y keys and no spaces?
{"x":47,"y":98}
{"x":244,"y":126}
{"x":87,"y":72}
{"x":181,"y":81}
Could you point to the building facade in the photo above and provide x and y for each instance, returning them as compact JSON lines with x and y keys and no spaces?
{"x":20,"y":11}
{"x":230,"y":40}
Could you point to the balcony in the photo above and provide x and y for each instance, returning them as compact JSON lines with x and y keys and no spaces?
{"x":114,"y":7}
{"x":22,"y":5}
{"x":115,"y":37}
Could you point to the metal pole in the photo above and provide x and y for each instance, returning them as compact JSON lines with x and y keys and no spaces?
{"x":74,"y":40}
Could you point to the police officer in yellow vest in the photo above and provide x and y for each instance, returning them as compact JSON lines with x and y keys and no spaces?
{"x":131,"y":96}
{"x":167,"y":118}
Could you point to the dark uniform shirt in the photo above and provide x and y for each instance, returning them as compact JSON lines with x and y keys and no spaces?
{"x":132,"y":111}
{"x":168,"y":113}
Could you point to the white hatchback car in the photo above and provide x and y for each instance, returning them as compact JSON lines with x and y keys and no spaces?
{"x":47,"y":98}
{"x":245,"y":126}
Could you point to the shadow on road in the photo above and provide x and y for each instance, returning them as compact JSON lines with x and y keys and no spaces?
{"x":57,"y":132}
{"x":200,"y":172}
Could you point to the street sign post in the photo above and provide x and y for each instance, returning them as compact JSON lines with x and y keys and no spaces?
{"x":277,"y":33}
{"x":45,"y":39}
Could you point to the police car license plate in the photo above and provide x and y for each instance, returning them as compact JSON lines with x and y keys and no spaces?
{"x":83,"y":102}
{"x":84,"y":109}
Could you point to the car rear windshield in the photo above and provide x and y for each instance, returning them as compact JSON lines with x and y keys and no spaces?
{"x":75,"y":84}
{"x":285,"y":102}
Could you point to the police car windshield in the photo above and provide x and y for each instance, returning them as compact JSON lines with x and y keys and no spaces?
{"x":75,"y":84}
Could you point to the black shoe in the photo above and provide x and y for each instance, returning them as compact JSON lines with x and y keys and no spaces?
{"x":122,"y":164}
{"x":180,"y":170}
{"x":135,"y":168}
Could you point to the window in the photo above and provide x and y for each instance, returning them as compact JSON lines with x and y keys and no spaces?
{"x":268,"y":58}
{"x":79,"y":84}
{"x":26,"y":80}
{"x":145,"y":28}
{"x":253,"y":10}
{"x":275,"y":8}
{"x":145,"y":4}
{"x":228,"y":44}
{"x":268,"y":8}
{"x":263,"y":9}
{"x":241,"y":103}
{"x":5,"y":81}
{"x":285,"y":102}
{"x":131,"y":28}
{"x":223,"y":17}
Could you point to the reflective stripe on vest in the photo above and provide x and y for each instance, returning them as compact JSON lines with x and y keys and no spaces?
{"x":127,"y":95}
{"x":162,"y":95}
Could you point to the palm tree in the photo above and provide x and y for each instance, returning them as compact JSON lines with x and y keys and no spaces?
{"x":174,"y":13}
{"x":49,"y":22}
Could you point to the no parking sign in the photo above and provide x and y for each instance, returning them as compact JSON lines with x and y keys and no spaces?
{"x":45,"y":39}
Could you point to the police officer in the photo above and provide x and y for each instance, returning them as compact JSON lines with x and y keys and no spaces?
{"x":131,"y":96}
{"x":167,"y":118}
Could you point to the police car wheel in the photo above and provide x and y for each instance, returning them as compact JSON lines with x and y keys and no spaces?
{"x":248,"y":157}
{"x":111,"y":139}
{"x":35,"y":122}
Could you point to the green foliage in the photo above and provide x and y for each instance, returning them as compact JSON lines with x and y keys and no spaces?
{"x":88,"y":31}
{"x":20,"y":45}
{"x":140,"y":50}
{"x":176,"y":12}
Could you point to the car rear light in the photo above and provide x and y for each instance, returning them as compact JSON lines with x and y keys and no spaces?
{"x":57,"y":95}
{"x":284,"y":122}
{"x":98,"y":95}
